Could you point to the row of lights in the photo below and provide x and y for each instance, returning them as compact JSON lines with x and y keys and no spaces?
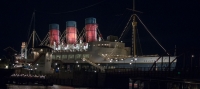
{"x":114,"y":55}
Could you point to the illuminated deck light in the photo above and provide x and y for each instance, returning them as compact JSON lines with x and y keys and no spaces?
{"x":192,"y":55}
{"x":135,"y":58}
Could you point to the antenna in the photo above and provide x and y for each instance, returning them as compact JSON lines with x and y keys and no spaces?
{"x":133,"y":5}
{"x":133,"y":9}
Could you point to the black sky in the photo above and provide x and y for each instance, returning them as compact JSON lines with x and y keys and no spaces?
{"x":172,"y":22}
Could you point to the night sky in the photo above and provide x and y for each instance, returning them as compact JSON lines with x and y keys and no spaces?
{"x":172,"y":22}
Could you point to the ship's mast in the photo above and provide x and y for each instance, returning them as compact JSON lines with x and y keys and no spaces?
{"x":33,"y":30}
{"x":134,"y":23}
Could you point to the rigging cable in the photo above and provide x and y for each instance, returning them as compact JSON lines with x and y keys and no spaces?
{"x":30,"y":27}
{"x":126,"y":16}
{"x":139,"y":42}
{"x":77,"y":32}
{"x":121,"y":35}
{"x":47,"y":40}
{"x":99,"y":33}
{"x":80,"y":35}
{"x":75,"y":9}
{"x":125,"y":27}
{"x":151,"y":34}
{"x":38,"y":37}
{"x":44,"y":39}
{"x":125,"y":32}
{"x":29,"y":39}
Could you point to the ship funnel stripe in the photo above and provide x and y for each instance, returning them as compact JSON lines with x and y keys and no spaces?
{"x":71,"y":24}
{"x":53,"y":26}
{"x":90,"y":20}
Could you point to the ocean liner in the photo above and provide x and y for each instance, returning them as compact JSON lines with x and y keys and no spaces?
{"x":87,"y":50}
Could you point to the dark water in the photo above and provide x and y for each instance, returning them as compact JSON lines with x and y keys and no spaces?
{"x":10,"y":86}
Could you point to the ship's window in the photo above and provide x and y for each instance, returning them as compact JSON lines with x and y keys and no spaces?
{"x":78,"y":56}
{"x":64,"y":57}
{"x":85,"y":55}
{"x":53,"y":57}
{"x":70,"y":56}
{"x":58,"y":57}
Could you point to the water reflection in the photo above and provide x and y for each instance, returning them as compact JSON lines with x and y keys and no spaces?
{"x":10,"y":86}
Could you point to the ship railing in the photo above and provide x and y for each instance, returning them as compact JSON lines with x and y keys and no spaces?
{"x":95,"y":65}
{"x":192,"y":73}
